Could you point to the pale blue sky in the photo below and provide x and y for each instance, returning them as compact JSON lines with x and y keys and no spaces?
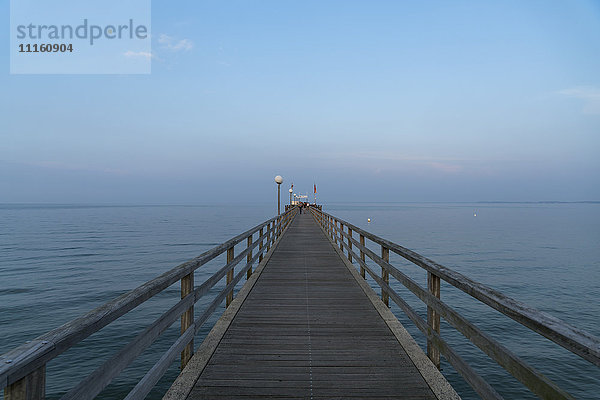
{"x":372,"y":100}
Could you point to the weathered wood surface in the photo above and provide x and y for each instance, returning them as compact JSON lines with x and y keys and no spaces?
{"x":307,"y":330}
{"x":187,"y":318}
{"x":433,"y":318}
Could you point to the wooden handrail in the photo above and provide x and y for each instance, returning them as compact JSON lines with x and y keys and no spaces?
{"x":571,"y":338}
{"x":575,"y":340}
{"x":504,"y":357}
{"x":29,"y":360}
{"x":484,"y":389}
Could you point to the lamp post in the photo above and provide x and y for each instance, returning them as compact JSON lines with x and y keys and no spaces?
{"x":279,"y":181}
{"x":291,"y":191}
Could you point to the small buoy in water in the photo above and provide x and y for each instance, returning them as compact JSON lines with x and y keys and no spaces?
{"x":369,"y":220}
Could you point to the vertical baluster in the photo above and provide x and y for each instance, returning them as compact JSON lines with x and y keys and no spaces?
{"x":342,"y":236}
{"x":260,"y":245}
{"x":268,"y":236}
{"x":331,"y":230}
{"x":187,"y":318}
{"x":385,"y":275}
{"x":273,"y":232}
{"x":249,"y":258}
{"x":433,"y":318}
{"x":30,"y":387}
{"x":349,"y":244}
{"x":335,"y":230}
{"x":230,"y":258}
{"x":362,"y":255}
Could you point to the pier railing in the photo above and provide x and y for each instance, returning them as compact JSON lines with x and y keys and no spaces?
{"x":23,"y":370}
{"x":581,"y":343}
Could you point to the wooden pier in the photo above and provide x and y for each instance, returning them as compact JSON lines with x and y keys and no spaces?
{"x":307,"y":329}
{"x":305,"y":324}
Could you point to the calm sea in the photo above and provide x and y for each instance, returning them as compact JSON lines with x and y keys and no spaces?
{"x":60,"y":261}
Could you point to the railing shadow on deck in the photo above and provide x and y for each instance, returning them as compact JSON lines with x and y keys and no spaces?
{"x":23,"y":370}
{"x":573,"y":339}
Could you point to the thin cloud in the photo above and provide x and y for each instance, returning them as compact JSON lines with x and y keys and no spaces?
{"x":589,"y":95}
{"x":383,"y":161}
{"x":58,"y":165}
{"x":138,"y":54}
{"x":445,"y":167}
{"x":169,"y":42}
{"x":390,"y":156}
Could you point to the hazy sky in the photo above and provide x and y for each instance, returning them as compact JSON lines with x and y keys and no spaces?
{"x":371,"y":100}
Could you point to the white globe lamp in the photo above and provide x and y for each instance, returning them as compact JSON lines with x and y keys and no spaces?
{"x":279,"y":181}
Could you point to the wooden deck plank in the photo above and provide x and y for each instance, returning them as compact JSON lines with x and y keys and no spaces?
{"x":307,"y":330}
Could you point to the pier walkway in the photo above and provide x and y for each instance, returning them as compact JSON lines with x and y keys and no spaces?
{"x":307,"y":330}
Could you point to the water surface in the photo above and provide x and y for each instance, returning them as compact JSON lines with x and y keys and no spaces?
{"x":60,"y":261}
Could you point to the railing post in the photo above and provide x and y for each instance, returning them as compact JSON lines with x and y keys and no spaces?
{"x":362,"y":255}
{"x":331,"y":227}
{"x":31,"y":387}
{"x":341,"y":236}
{"x":249,"y":258}
{"x":187,"y":318}
{"x":230,"y":258}
{"x":385,"y":275}
{"x":433,"y":318}
{"x":260,"y":245}
{"x":268,"y":238}
{"x":335,"y":230}
{"x":349,"y":244}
